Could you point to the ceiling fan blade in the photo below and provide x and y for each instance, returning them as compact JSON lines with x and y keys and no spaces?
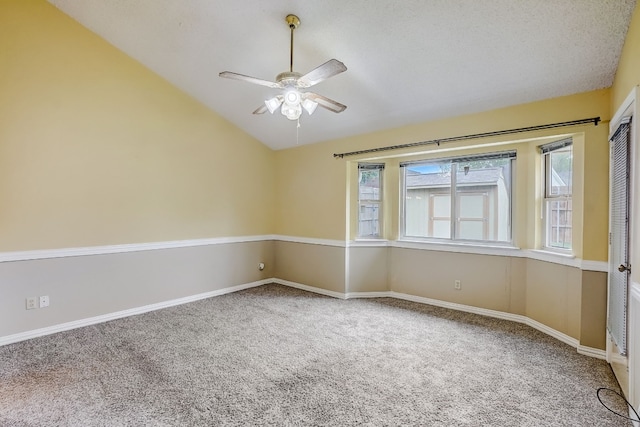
{"x":248,"y":79}
{"x":325,"y":102}
{"x":261,"y":110}
{"x":321,"y":73}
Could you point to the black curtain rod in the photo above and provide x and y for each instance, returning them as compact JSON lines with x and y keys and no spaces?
{"x":594,"y":120}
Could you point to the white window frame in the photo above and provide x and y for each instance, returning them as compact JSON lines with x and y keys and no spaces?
{"x":454,"y":193}
{"x":548,"y":197}
{"x":368,"y":202}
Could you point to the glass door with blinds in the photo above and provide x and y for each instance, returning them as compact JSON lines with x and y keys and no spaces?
{"x":619,"y":237}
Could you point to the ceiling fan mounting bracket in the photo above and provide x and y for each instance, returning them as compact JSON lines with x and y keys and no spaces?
{"x":293,"y":21}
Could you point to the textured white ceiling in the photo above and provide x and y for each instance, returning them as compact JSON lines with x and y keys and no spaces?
{"x":408,"y":61}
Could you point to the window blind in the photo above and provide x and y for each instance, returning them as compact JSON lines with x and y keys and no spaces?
{"x":556,"y":145}
{"x":464,"y":159}
{"x":617,"y":321}
{"x":370,"y":166}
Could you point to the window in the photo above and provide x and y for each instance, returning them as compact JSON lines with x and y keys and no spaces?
{"x":369,"y":199}
{"x":459,"y":199}
{"x":557,"y":205}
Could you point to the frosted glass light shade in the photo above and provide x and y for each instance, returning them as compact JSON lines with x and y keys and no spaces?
{"x":292,"y":112}
{"x":309,"y":105}
{"x":273,"y":103}
{"x":292,"y":97}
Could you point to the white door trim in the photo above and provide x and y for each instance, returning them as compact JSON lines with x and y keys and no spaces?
{"x":629,"y":108}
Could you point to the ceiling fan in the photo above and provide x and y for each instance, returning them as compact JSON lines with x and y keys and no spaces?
{"x":292,"y":99}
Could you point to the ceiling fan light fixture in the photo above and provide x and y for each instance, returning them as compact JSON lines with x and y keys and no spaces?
{"x":273,"y":103}
{"x":292,"y":97}
{"x":292,"y":112}
{"x":309,"y":105}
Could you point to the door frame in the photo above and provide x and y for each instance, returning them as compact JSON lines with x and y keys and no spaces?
{"x":629,"y":108}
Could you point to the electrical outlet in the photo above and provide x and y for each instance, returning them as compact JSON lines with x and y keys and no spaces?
{"x":32,"y":303}
{"x":44,"y":301}
{"x":457,"y":285}
{"x":261,"y":266}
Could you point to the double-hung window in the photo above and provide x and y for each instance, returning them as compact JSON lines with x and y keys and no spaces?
{"x":370,"y":200}
{"x":558,"y":186}
{"x":459,"y":199}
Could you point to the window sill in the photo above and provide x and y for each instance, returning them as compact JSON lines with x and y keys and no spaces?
{"x":544,"y":252}
{"x":368,"y":243}
{"x":470,"y":248}
{"x":568,"y":260}
{"x":555,"y":257}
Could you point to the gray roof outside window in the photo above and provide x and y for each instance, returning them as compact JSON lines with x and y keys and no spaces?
{"x":475,"y":177}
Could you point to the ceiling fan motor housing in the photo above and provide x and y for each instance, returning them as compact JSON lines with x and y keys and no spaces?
{"x":289,"y":78}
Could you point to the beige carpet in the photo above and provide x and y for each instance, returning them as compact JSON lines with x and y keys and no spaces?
{"x":283,"y":357}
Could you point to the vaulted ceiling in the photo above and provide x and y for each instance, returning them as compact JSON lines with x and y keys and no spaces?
{"x":408,"y":61}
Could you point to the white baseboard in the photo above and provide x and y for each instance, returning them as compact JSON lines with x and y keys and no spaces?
{"x":460,"y":307}
{"x":552,"y":332}
{"x":618,"y":359}
{"x":588,"y":351}
{"x":379,"y":294}
{"x":9,"y":339}
{"x":593,"y":352}
{"x":634,"y":418}
{"x":307,"y":288}
{"x":505,"y":316}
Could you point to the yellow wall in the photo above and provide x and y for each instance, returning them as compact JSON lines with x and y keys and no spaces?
{"x":628,"y":76}
{"x":628,"y":73}
{"x":312,"y":185}
{"x":311,"y":194}
{"x":95,"y":149}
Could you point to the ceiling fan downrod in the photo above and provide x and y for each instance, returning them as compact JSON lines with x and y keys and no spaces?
{"x":294,"y":22}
